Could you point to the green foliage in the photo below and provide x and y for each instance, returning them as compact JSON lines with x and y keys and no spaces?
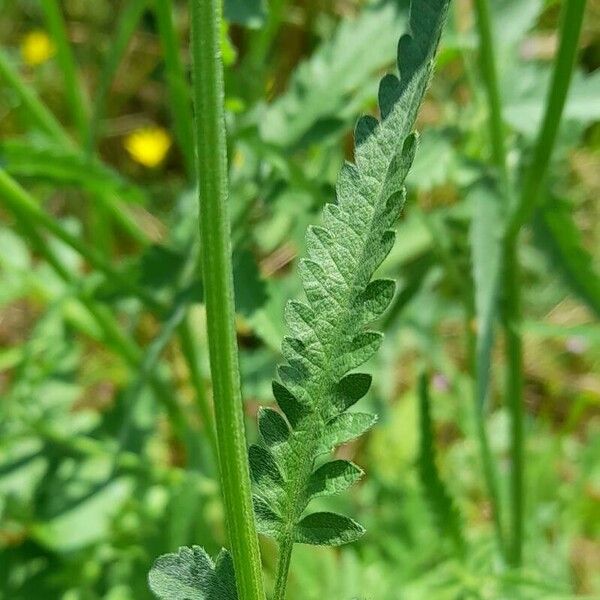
{"x":486,"y":249}
{"x":106,"y":458}
{"x":327,"y":90}
{"x":192,"y":575}
{"x":329,"y":335}
{"x":445,"y":513}
{"x":558,"y":236}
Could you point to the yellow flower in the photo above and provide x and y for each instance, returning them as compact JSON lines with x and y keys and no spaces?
{"x":36,"y":48}
{"x":148,"y":146}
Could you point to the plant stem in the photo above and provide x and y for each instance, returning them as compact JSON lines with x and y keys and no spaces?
{"x":490,"y":76}
{"x":571,"y":21}
{"x":179,"y":99}
{"x":496,"y":129}
{"x":535,"y":176}
{"x":511,"y":317}
{"x":218,"y":285}
{"x":190,"y":350}
{"x":283,"y":567}
{"x":66,"y":61}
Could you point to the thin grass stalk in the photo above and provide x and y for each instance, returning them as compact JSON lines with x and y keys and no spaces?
{"x":533,"y":183}
{"x":217,"y":271}
{"x":38,"y":112}
{"x":490,"y":77}
{"x":190,"y":349}
{"x":564,"y":64}
{"x":497,"y":142}
{"x":178,"y":88}
{"x":73,"y":88}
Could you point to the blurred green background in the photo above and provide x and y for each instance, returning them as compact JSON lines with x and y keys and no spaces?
{"x":106,"y":458}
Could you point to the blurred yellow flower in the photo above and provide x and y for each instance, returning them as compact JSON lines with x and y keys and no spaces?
{"x":36,"y":48}
{"x":148,"y":146}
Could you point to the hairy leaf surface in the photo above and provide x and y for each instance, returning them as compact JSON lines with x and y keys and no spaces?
{"x":190,"y":574}
{"x":329,"y":333}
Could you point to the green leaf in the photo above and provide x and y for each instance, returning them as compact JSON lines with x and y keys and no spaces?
{"x":273,"y":428}
{"x":343,"y":429}
{"x":191,"y":575}
{"x":351,"y":389}
{"x":327,"y":529}
{"x":445,"y":513}
{"x":333,"y":477}
{"x":268,"y":522}
{"x":327,"y":336}
{"x":486,"y":251}
{"x":558,"y":236}
{"x":57,"y":165}
{"x":322,"y":95}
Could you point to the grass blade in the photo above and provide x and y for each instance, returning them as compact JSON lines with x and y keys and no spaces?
{"x":179,"y":99}
{"x":74,"y":91}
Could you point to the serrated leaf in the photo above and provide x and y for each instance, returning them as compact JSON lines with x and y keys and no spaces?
{"x":190,"y":574}
{"x":327,"y":529}
{"x":268,"y":522}
{"x":333,"y":477}
{"x":263,"y":468}
{"x":327,"y":337}
{"x":292,"y":409}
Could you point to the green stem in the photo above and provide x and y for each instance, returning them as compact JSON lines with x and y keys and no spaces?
{"x":490,"y":77}
{"x":218,"y":285}
{"x":564,"y":64}
{"x":66,"y":62}
{"x":511,"y":319}
{"x":496,"y":129}
{"x":571,"y":21}
{"x":283,"y":568}
{"x":179,"y":100}
{"x":42,"y":117}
